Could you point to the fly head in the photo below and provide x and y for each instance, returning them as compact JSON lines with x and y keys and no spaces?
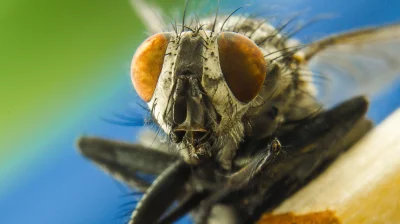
{"x":199,"y":84}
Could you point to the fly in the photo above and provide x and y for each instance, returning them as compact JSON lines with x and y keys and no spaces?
{"x":245,"y":126}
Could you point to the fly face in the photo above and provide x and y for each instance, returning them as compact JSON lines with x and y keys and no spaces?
{"x":199,"y":85}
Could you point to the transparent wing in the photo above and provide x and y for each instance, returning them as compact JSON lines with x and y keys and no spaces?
{"x":151,"y":15}
{"x":360,"y":62}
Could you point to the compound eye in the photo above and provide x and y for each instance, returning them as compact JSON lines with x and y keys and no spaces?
{"x":147,"y":64}
{"x":242,"y":64}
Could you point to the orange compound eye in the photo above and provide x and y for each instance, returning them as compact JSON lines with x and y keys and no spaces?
{"x":147,"y":64}
{"x":242,"y":64}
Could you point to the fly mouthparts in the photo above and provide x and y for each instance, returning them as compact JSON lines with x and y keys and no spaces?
{"x":192,"y":133}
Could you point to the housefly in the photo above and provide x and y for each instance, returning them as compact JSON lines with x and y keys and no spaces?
{"x":244,"y":124}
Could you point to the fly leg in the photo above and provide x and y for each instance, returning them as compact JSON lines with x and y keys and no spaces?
{"x":238,"y":180}
{"x":124,"y":161}
{"x":311,"y":147}
{"x":188,"y":203}
{"x":327,"y":135}
{"x":168,"y":186}
{"x":203,"y":202}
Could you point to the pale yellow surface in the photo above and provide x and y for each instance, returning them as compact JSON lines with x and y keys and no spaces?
{"x":324,"y":217}
{"x":363,"y":185}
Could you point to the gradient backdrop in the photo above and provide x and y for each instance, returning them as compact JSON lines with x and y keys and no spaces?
{"x":64,"y":65}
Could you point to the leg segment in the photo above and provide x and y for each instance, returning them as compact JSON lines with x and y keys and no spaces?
{"x":124,"y":161}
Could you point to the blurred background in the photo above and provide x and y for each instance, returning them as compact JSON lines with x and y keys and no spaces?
{"x":64,"y":67}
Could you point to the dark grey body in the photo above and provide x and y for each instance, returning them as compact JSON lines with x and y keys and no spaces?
{"x":255,"y":155}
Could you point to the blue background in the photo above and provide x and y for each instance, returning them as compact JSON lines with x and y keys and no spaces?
{"x":56,"y":185}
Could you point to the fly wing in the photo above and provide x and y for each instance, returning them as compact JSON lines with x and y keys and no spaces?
{"x":361,"y":62}
{"x":150,"y":15}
